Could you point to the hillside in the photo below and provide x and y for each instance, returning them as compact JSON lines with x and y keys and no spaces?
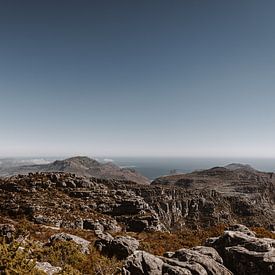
{"x":172,"y":214}
{"x":81,"y":166}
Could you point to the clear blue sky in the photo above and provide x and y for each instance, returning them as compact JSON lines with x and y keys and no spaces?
{"x":136,"y":78}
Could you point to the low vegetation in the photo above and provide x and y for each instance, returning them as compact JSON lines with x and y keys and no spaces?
{"x":20,"y":258}
{"x":159,"y":242}
{"x":67,"y":255}
{"x":15,"y":259}
{"x":263,"y":233}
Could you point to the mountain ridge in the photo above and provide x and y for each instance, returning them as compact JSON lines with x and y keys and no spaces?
{"x":81,"y":166}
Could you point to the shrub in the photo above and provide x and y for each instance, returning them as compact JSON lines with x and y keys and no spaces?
{"x":263,"y":233}
{"x":67,"y":255}
{"x":62,"y":253}
{"x":16,"y":260}
{"x":160,"y":242}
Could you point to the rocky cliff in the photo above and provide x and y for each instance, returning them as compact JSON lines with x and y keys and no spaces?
{"x":217,"y":195}
{"x":196,"y":200}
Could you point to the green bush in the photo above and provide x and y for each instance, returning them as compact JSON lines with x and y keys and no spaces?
{"x":62,"y":253}
{"x":16,"y":260}
{"x":68,"y":256}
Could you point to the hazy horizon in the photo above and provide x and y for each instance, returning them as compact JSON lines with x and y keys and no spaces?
{"x":153,"y":167}
{"x":137,"y":78}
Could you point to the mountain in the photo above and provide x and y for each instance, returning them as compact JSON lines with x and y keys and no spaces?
{"x":81,"y":166}
{"x":217,"y":195}
{"x":236,"y":166}
{"x":230,"y":180}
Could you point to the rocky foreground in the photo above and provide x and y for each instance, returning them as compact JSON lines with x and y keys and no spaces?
{"x":131,"y":228}
{"x":236,"y":251}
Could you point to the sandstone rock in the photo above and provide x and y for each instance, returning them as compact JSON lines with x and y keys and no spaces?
{"x":92,"y":225}
{"x":141,"y":262}
{"x":241,"y":228}
{"x":120,"y":247}
{"x":245,"y":254}
{"x":7,"y":230}
{"x":101,"y":225}
{"x":83,"y":244}
{"x":172,"y":266}
{"x":207,"y":262}
{"x":183,"y":261}
{"x":48,"y":268}
{"x":210,"y":252}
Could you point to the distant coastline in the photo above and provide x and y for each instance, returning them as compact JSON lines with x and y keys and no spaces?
{"x":153,"y":167}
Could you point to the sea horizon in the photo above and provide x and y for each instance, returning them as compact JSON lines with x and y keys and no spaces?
{"x":153,"y":167}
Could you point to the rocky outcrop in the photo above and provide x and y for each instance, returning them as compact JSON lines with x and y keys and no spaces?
{"x":196,"y":200}
{"x":241,"y":228}
{"x":184,"y":261}
{"x":237,"y":251}
{"x":141,"y":263}
{"x":120,"y":247}
{"x":47,"y":268}
{"x":68,"y":201}
{"x":245,"y":254}
{"x":82,"y":243}
{"x":217,"y":195}
{"x":7,"y":230}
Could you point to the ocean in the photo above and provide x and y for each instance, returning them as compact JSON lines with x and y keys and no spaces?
{"x":153,"y":167}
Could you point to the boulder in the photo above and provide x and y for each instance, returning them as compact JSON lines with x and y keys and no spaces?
{"x":141,"y":262}
{"x":47,"y":268}
{"x":209,"y":251}
{"x":7,"y":230}
{"x":241,"y":228}
{"x":200,"y":256}
{"x":83,"y":244}
{"x":200,"y":261}
{"x":245,"y":254}
{"x":120,"y":247}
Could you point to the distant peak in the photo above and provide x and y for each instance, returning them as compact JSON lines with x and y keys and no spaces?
{"x":237,"y":166}
{"x":78,"y":158}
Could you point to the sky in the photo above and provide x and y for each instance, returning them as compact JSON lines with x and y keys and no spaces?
{"x":137,"y":78}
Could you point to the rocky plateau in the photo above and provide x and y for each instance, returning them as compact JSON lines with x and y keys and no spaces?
{"x":115,"y":204}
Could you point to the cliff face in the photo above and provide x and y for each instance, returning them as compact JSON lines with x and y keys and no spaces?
{"x":216,"y":195}
{"x":213,"y":196}
{"x":194,"y":200}
{"x":66,"y":200}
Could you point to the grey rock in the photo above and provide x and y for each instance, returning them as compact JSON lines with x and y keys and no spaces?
{"x":120,"y":247}
{"x":7,"y":230}
{"x":245,"y":254}
{"x":183,"y":261}
{"x":47,"y":268}
{"x":90,"y":224}
{"x":241,"y":228}
{"x":141,"y":262}
{"x":191,"y":267}
{"x":207,"y":262}
{"x":209,"y":251}
{"x":83,"y":244}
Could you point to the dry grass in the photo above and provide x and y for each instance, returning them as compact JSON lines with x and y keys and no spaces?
{"x":263,"y":233}
{"x":68,"y":256}
{"x":159,"y":242}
